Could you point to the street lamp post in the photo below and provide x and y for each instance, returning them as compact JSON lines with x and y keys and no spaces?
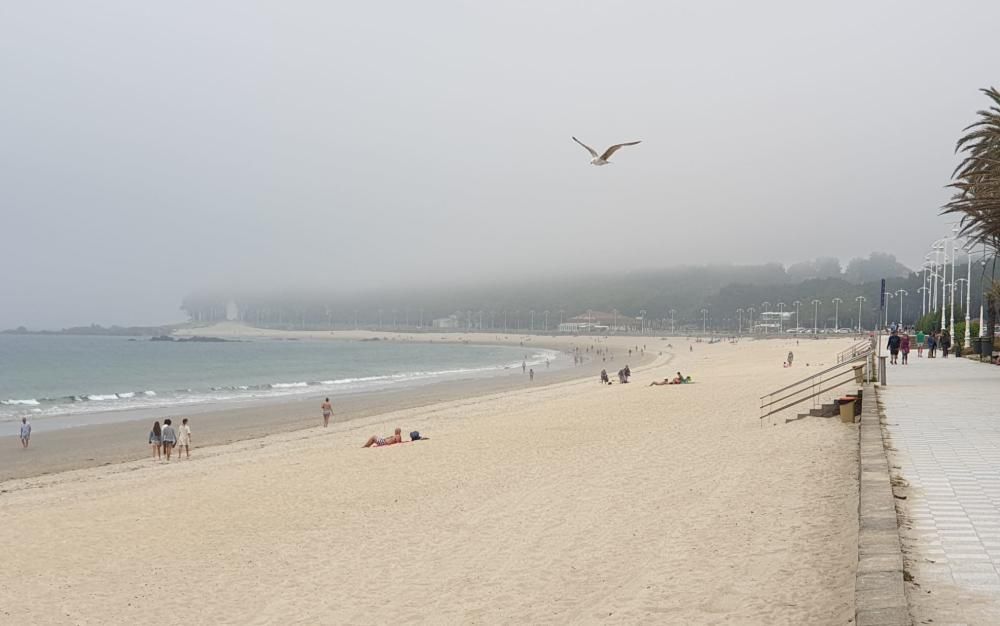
{"x":836,"y":313}
{"x":888,"y":296}
{"x":954,"y":254}
{"x":923,"y":293}
{"x":781,"y":317}
{"x":899,"y":294}
{"x":968,"y":292}
{"x":860,"y":299}
{"x":642,"y":321}
{"x":704,"y":321}
{"x":815,"y":316}
{"x":750,"y":311}
{"x":614,"y":324}
{"x":739,"y":313}
{"x":797,"y":303}
{"x":532,"y":327}
{"x":672,"y":311}
{"x":546,"y":314}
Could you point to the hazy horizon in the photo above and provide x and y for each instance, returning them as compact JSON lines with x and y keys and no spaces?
{"x":154,"y":149}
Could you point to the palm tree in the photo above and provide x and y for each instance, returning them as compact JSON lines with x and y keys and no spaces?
{"x":977,"y":177}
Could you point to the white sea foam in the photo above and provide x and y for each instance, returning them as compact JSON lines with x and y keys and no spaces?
{"x":126,"y":395}
{"x":102,"y":396}
{"x":288,"y":385}
{"x":30,"y":402}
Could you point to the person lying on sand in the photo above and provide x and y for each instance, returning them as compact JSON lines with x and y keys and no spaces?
{"x":378,"y":442}
{"x":677,"y":380}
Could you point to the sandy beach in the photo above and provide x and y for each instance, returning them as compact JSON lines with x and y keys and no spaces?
{"x":563,"y":503}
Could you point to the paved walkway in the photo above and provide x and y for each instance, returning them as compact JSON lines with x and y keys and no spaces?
{"x":943,"y":419}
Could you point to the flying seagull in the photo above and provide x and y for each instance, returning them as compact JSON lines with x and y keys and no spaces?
{"x":603,"y":159}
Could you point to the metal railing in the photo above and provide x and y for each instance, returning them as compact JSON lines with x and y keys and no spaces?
{"x":862,"y":347}
{"x":816,"y":384}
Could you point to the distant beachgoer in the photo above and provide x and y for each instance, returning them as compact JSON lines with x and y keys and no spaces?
{"x":657,"y":383}
{"x":945,"y":343}
{"x":169,"y":437}
{"x":677,"y":379}
{"x":621,"y":376}
{"x":546,"y":363}
{"x":790,"y":357}
{"x":690,"y":348}
{"x":25,"y":432}
{"x":604,"y":377}
{"x":378,"y":442}
{"x":904,"y":347}
{"x":524,"y":365}
{"x":628,"y":372}
{"x":155,"y":441}
{"x":931,"y":344}
{"x":531,"y":374}
{"x":184,"y":439}
{"x":327,"y":412}
{"x":921,"y":338}
{"x":893,"y":346}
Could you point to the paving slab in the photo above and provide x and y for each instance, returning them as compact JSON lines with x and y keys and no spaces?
{"x":942,"y":428}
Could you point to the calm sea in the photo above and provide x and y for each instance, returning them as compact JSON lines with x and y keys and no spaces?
{"x":62,"y":376}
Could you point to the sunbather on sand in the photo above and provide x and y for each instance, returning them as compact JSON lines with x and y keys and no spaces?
{"x":378,"y":442}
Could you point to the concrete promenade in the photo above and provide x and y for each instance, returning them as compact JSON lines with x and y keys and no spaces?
{"x":943,"y":424}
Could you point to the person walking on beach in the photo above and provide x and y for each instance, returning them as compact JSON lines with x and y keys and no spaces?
{"x":790,"y":357}
{"x":184,"y":439}
{"x":155,"y":441}
{"x":921,"y":338}
{"x":327,"y":412}
{"x":531,"y":374}
{"x":25,"y":432}
{"x":931,"y":344}
{"x":904,"y":347}
{"x":169,"y":438}
{"x":524,"y":366}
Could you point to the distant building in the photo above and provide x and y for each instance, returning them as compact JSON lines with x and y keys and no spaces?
{"x":232,"y":311}
{"x":445,"y":322}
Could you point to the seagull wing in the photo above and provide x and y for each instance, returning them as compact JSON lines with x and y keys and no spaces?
{"x":592,"y":152}
{"x":607,"y":153}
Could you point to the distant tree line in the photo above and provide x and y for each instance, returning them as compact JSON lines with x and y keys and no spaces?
{"x":541,"y":304}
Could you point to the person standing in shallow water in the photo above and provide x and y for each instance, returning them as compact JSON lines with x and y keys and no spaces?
{"x":327,"y":412}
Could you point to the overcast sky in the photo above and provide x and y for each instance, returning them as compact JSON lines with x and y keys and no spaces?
{"x":150,"y":148}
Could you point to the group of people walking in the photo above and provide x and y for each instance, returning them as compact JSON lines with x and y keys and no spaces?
{"x":163,"y":439}
{"x":900,"y":343}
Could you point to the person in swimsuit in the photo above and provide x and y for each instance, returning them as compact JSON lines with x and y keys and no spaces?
{"x":378,"y":442}
{"x":327,"y":412}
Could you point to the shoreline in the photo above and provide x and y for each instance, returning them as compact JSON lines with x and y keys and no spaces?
{"x":568,"y":502}
{"x":123,"y":441}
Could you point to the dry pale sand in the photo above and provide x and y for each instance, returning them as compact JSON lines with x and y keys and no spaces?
{"x":569,"y":503}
